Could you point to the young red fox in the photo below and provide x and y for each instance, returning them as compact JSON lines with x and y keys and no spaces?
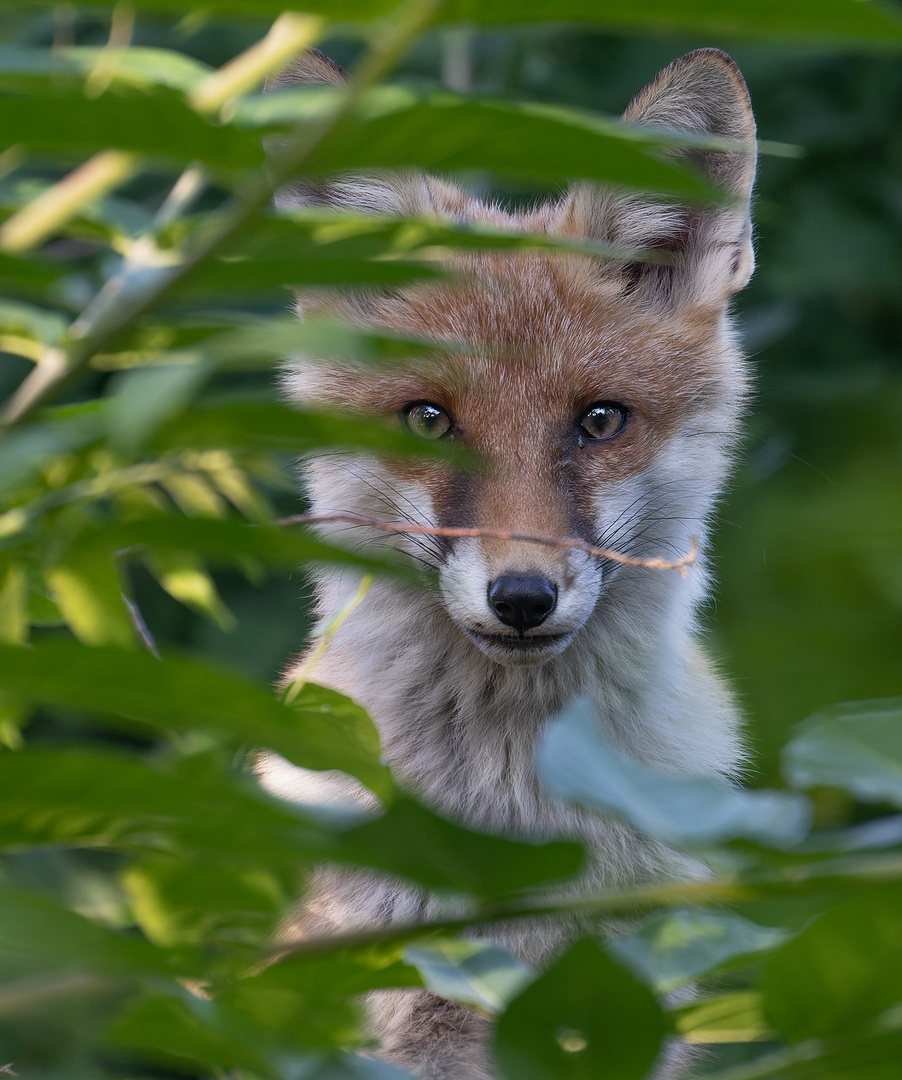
{"x":602,"y":399}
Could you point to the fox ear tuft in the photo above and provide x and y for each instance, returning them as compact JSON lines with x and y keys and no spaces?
{"x":709,"y":248}
{"x":384,"y":193}
{"x":704,"y":93}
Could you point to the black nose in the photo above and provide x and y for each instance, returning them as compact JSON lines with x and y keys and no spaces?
{"x":522,"y":600}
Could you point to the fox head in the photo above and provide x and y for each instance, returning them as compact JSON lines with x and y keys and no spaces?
{"x":601,"y":397}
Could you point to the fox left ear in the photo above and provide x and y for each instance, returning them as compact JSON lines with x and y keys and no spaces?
{"x":710,"y":248}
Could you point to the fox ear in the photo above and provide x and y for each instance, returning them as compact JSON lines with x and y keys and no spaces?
{"x":384,"y":193}
{"x":710,"y":249}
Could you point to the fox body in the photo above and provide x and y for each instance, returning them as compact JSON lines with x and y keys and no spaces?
{"x":602,"y":399}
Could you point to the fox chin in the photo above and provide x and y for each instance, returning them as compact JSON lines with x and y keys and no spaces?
{"x":601,"y":399}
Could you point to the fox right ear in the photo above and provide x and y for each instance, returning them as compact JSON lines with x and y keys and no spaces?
{"x":381,"y":193}
{"x":709,"y":248}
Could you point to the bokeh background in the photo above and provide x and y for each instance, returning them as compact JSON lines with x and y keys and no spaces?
{"x":809,"y":550}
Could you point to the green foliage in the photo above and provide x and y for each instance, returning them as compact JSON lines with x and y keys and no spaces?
{"x":144,"y":469}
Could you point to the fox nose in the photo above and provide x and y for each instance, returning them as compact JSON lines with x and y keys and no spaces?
{"x":522,"y":600}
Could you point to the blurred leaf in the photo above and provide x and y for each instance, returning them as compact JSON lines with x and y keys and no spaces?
{"x":158,"y":124}
{"x":416,"y":844}
{"x":278,"y":427}
{"x":204,"y":902}
{"x":89,"y":798}
{"x":146,"y":398}
{"x":86,"y":587}
{"x":732,"y":1017}
{"x":183,"y":576}
{"x":13,"y":614}
{"x":23,"y":453}
{"x":478,"y":973}
{"x":855,"y":746}
{"x":320,"y":730}
{"x":585,"y":1017}
{"x":44,"y":935}
{"x":674,"y":948}
{"x":400,"y":129}
{"x":831,"y":19}
{"x":38,"y":324}
{"x":841,"y":972}
{"x":578,"y":766}
{"x":29,"y":69}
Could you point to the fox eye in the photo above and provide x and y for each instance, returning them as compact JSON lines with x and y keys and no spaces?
{"x":602,"y":420}
{"x":426,"y":420}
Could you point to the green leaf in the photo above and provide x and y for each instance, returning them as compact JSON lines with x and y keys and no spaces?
{"x":841,"y":972}
{"x":41,"y":70}
{"x":674,"y":948}
{"x":25,"y":452}
{"x":578,"y":766}
{"x":41,"y":935}
{"x":277,"y":427}
{"x":13,"y":604}
{"x":144,"y":399}
{"x":585,"y":1017}
{"x":855,"y":746}
{"x":158,"y":124}
{"x":806,"y":20}
{"x":89,"y":798}
{"x":416,"y":844}
{"x":320,"y":730}
{"x":477,"y":973}
{"x":86,"y":587}
{"x":401,"y":129}
{"x":205,"y":901}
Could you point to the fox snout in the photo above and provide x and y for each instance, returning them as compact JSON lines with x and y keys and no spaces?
{"x":523,"y":601}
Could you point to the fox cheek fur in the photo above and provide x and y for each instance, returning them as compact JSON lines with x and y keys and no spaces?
{"x":603,"y":400}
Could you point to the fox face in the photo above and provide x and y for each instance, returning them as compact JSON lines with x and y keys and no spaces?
{"x":599,"y":398}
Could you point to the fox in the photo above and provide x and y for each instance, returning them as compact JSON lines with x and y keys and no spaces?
{"x":602,"y":398}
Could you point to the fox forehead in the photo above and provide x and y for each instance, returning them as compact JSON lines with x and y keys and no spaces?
{"x":532,"y":337}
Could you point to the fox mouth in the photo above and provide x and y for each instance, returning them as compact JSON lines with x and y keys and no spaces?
{"x":520,"y":650}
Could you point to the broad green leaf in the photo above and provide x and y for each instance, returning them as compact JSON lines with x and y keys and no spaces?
{"x":841,"y":972}
{"x":806,"y":19}
{"x":96,"y":799}
{"x":585,"y":1017}
{"x":158,"y":124}
{"x":401,"y":129}
{"x":221,"y":541}
{"x":320,"y":730}
{"x":478,"y":973}
{"x":414,"y":843}
{"x":269,"y":426}
{"x":146,"y":398}
{"x":86,"y":587}
{"x":674,"y":948}
{"x":205,"y":901}
{"x":37,"y":70}
{"x":577,"y":765}
{"x":855,"y":746}
{"x":41,"y":935}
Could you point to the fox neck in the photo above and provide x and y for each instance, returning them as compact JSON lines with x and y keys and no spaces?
{"x":461,"y":730}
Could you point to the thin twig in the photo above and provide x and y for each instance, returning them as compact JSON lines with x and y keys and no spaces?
{"x":680,"y":565}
